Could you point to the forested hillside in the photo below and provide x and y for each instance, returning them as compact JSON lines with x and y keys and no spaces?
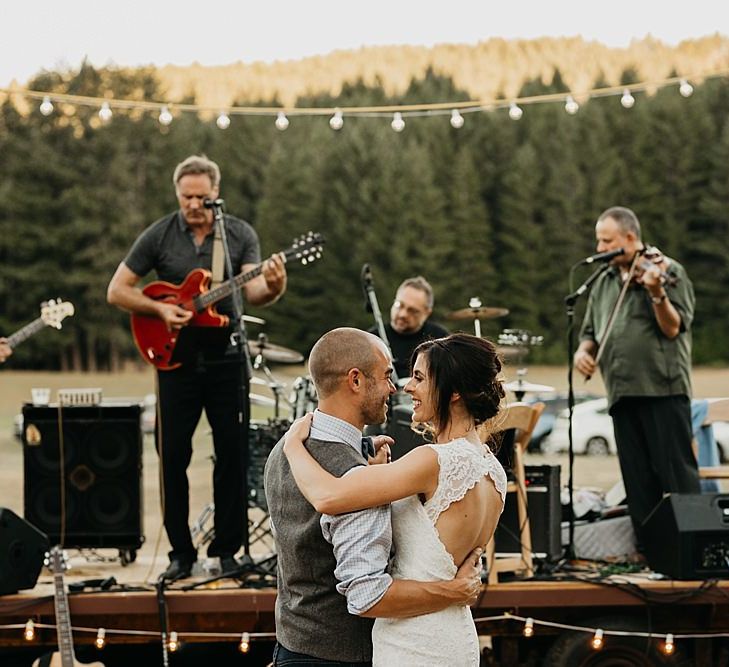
{"x":498,"y":209}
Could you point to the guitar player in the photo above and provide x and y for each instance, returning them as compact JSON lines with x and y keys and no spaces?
{"x":209,"y":376}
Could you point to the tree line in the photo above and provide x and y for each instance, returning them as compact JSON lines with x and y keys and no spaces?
{"x":498,"y":209}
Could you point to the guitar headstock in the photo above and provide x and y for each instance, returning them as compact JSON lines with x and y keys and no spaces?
{"x":54,"y":311}
{"x":56,"y":560}
{"x":306,"y":249}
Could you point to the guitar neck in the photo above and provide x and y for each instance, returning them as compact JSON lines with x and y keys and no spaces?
{"x":26,"y":332}
{"x":202,"y":301}
{"x":63,"y":622}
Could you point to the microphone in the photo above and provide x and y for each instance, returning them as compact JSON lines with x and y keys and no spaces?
{"x":213,"y":203}
{"x":367,"y":286}
{"x":603,"y":256}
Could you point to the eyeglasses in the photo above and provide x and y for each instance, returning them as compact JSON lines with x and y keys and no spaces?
{"x":410,"y":310}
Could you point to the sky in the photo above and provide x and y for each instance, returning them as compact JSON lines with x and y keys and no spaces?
{"x":47,"y":34}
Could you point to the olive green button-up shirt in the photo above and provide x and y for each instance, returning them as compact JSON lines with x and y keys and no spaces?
{"x":638,"y":359}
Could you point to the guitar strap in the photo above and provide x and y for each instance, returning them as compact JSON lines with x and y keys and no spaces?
{"x":218,"y":258}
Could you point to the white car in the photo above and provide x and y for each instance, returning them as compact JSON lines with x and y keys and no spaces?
{"x":592,"y":430}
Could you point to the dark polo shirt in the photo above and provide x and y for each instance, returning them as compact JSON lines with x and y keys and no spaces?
{"x":168,"y":247}
{"x":638,"y":359}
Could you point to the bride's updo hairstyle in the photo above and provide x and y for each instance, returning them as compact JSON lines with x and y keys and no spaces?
{"x":466,"y":365}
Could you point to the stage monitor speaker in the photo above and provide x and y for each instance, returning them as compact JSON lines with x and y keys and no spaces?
{"x":100,"y":474}
{"x":686,"y":536}
{"x":545,"y":516}
{"x":22,"y":550}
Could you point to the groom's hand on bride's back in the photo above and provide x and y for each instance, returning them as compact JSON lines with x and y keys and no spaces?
{"x":469,"y":576}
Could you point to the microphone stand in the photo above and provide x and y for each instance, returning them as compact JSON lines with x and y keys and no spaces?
{"x":570,"y":300}
{"x":369,"y":289}
{"x":239,"y":340}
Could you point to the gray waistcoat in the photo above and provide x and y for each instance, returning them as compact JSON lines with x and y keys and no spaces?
{"x":311,"y":616}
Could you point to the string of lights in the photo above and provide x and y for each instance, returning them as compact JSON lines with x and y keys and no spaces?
{"x":599,"y":635}
{"x":166,"y":111}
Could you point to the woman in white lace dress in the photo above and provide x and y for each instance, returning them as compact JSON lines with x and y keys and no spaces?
{"x":446,"y":497}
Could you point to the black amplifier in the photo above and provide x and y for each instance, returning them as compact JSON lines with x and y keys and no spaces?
{"x":545,"y":516}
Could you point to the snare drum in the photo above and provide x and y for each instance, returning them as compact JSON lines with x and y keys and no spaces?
{"x":303,"y":397}
{"x":262,"y":438}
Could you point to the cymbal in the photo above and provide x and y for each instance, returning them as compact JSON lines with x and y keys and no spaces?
{"x":278,"y":353}
{"x":480,"y":313}
{"x":527,"y":387}
{"x":265,"y":401}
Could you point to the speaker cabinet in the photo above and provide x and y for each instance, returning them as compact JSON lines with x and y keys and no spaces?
{"x":82,"y":474}
{"x":545,"y":516}
{"x":22,"y":550}
{"x":686,"y":536}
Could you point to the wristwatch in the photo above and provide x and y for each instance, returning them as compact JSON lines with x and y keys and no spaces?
{"x":659,"y":299}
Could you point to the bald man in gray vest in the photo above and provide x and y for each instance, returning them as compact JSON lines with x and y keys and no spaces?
{"x":332,"y":578}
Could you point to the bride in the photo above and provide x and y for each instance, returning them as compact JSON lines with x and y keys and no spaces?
{"x":446,"y":497}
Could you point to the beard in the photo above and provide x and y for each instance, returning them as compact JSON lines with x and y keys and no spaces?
{"x":374,"y":407}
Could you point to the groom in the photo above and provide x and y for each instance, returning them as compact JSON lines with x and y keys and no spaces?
{"x":332,"y":577}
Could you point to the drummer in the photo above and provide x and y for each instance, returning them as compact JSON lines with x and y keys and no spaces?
{"x":409,"y":324}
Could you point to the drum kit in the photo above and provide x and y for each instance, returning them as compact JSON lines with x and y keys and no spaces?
{"x":512,"y":344}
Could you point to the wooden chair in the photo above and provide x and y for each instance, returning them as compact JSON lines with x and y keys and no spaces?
{"x":718,"y":412}
{"x":521,"y":418}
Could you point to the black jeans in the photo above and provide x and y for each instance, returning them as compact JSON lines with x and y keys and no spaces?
{"x":282,"y":657}
{"x":210,"y":381}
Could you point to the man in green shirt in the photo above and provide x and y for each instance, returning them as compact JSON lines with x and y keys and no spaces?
{"x":645,"y":361}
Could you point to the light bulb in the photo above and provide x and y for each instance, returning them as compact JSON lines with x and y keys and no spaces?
{"x":46,"y":107}
{"x":597,"y":641}
{"x":686,"y":89}
{"x":570,"y":106}
{"x":281,"y":121}
{"x":245,"y":643}
{"x":223,"y":121}
{"x":398,"y":124}
{"x":528,"y":628}
{"x":173,"y":644}
{"x":100,"y":639}
{"x":515,"y":111}
{"x":668,"y":646}
{"x":336,"y":121}
{"x":29,"y":632}
{"x":105,"y":112}
{"x":456,"y":119}
{"x":627,"y":100}
{"x":165,"y":117}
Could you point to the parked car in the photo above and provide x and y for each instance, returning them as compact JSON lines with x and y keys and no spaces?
{"x":553,"y":405}
{"x":592,"y":430}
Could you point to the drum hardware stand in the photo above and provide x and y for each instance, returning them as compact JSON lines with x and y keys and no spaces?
{"x":259,"y":364}
{"x":522,"y":341}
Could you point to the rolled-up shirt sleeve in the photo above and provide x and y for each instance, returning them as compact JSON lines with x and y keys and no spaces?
{"x":361,"y":542}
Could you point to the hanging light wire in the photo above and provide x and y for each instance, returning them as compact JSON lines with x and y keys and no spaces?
{"x":438,"y":108}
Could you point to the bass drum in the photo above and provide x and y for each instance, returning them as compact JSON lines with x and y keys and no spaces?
{"x":399,"y":423}
{"x":262,"y":438}
{"x":303,"y":397}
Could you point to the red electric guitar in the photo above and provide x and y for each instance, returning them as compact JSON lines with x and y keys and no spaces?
{"x":157,"y":345}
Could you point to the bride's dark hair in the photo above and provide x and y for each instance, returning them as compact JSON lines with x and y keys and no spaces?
{"x":467,"y":365}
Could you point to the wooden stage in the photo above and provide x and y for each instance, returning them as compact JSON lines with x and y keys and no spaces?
{"x":223,"y":613}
